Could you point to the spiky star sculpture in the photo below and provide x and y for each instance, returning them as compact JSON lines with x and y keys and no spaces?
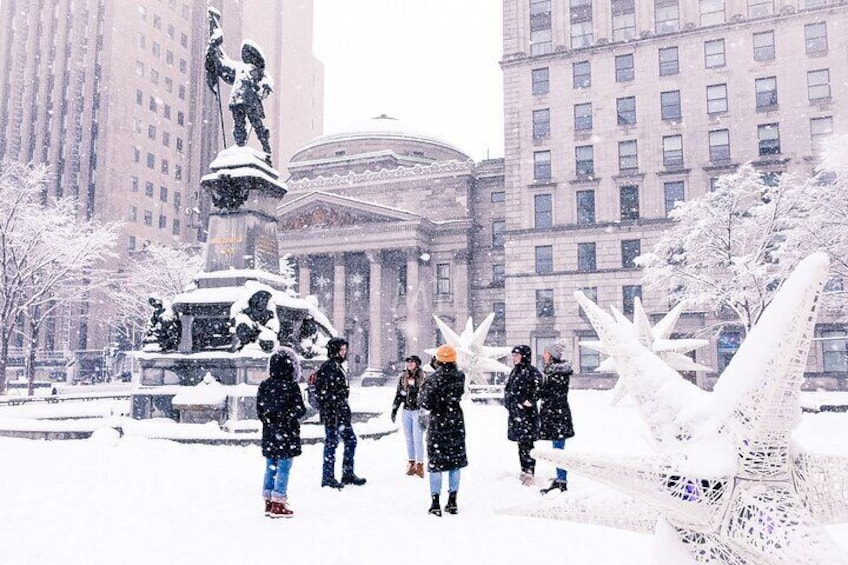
{"x":726,"y":480}
{"x":473,"y":357}
{"x":657,"y":339}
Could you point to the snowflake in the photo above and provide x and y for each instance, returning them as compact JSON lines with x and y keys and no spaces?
{"x":322,"y":281}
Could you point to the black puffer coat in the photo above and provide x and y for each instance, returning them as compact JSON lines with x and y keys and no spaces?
{"x":555,"y":413}
{"x":333,"y":391}
{"x":522,"y":386}
{"x":441,"y":394}
{"x":279,"y":404}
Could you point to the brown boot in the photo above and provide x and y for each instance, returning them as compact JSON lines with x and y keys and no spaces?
{"x":419,"y":469}
{"x":410,"y":467}
{"x":267,"y":507}
{"x":279,"y":509}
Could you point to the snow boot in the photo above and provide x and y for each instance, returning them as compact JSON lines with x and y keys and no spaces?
{"x":527,"y":478}
{"x":352,"y":480}
{"x":280,"y":510}
{"x":410,"y":467}
{"x":267,"y":507}
{"x":332,"y":483}
{"x":435,"y":508}
{"x":419,"y":469}
{"x":556,"y":484}
{"x":450,"y":507}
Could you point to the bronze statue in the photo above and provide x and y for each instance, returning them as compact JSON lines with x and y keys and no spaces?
{"x":251,"y":83}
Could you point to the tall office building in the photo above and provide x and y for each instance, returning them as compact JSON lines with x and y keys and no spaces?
{"x":112,"y":96}
{"x":617,"y":109}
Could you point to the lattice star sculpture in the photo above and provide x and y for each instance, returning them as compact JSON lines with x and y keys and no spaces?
{"x":473,"y":357}
{"x":726,"y":480}
{"x":657,"y":339}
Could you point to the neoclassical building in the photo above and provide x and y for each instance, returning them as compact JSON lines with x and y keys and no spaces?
{"x":389,"y":227}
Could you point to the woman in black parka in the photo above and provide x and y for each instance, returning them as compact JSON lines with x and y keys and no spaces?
{"x":440,"y":395}
{"x":279,"y":405}
{"x":555,"y":413}
{"x":521,"y":395}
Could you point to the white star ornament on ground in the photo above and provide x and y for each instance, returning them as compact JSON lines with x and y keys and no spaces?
{"x":473,"y":357}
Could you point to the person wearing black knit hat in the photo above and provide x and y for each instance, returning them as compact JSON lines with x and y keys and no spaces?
{"x":521,"y":394}
{"x":408,"y":389}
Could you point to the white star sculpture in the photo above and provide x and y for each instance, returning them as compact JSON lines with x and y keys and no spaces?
{"x":726,"y":481}
{"x":657,"y":339}
{"x":472,"y":356}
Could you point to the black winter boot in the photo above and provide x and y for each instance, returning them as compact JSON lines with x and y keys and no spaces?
{"x":556,"y":484}
{"x":435,"y":509}
{"x":332,"y":483}
{"x":450,"y":507}
{"x":352,"y":480}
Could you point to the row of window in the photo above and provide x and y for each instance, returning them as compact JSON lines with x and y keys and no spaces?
{"x":153,"y":134}
{"x":157,"y":19}
{"x":154,"y":104}
{"x":149,"y":191}
{"x":623,"y":19}
{"x":668,"y":59}
{"x":154,"y":73}
{"x":587,"y":256}
{"x":164,"y":164}
{"x":132,"y":216}
{"x":768,"y":143}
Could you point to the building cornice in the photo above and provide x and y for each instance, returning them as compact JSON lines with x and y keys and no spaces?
{"x":384,"y":175}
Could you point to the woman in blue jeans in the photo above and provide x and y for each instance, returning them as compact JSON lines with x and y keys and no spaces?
{"x":279,"y":405}
{"x":555,"y":413}
{"x":408,"y":389}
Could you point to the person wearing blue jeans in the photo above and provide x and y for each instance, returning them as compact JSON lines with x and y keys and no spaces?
{"x":408,"y":389}
{"x":555,"y":414}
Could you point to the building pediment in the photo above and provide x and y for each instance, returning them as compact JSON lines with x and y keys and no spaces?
{"x":320,"y":210}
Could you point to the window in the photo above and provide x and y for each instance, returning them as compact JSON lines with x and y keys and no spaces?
{"x":818,"y":84}
{"x":628,"y":155}
{"x":178,"y":172}
{"x":630,"y":249}
{"x":498,"y":228}
{"x":673,"y":151}
{"x":182,"y":92}
{"x":585,"y":158}
{"x":769,"y":139}
{"x":589,"y":359}
{"x":166,"y":111}
{"x":624,"y":70}
{"x":151,"y":132}
{"x":834,"y":350}
{"x":586,"y":258}
{"x":166,"y":139}
{"x":543,"y":210}
{"x":163,"y":222}
{"x":544,"y":259}
{"x":583,"y":117}
{"x":499,"y":308}
{"x":136,"y":154}
{"x":673,"y":195}
{"x":815,"y":37}
{"x":154,"y":107}
{"x":163,"y":194}
{"x":766,"y":90}
{"x":623,"y":20}
{"x":139,"y":68}
{"x":498,"y":274}
{"x":581,"y":74}
{"x":134,"y":184}
{"x":498,"y":196}
{"x":760,"y":8}
{"x":169,"y":84}
{"x":712,"y":12}
{"x":177,"y":201}
{"x":154,"y":76}
{"x":148,"y":218}
{"x":628,"y":200}
{"x":585,"y":207}
{"x":629,"y":293}
{"x":141,"y":40}
{"x":180,"y":119}
{"x":131,"y":243}
{"x":540,"y":27}
{"x":719,"y":145}
{"x":545,"y":303}
{"x":157,"y":21}
{"x":580,"y":16}
{"x":183,"y":66}
{"x":170,"y":31}
{"x":764,"y":46}
{"x":727,"y":345}
{"x":148,"y":189}
{"x":669,"y":61}
{"x":443,"y":278}
{"x":183,"y":40}
{"x":542,"y":165}
{"x":666,"y":16}
{"x":716,"y":98}
{"x":139,"y":97}
{"x":626,"y":110}
{"x":541,"y":81}
{"x":176,"y":229}
{"x":164,"y":166}
{"x":820,"y":128}
{"x":590,"y":292}
{"x":132,"y":214}
{"x":541,"y":123}
{"x":714,"y":53}
{"x":151,"y":161}
{"x":156,"y":49}
{"x":670,"y":105}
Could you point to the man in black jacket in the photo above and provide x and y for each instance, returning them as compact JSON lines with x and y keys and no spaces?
{"x":332,"y":387}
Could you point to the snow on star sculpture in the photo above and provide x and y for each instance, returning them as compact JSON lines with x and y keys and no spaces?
{"x":657,"y":339}
{"x":727,"y":481}
{"x":473,"y":357}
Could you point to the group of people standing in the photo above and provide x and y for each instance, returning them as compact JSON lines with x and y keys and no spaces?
{"x":537,"y":404}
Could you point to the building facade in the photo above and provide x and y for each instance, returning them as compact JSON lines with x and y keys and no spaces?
{"x":614,"y":110}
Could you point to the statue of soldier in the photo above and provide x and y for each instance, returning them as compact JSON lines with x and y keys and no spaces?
{"x":251,"y":83}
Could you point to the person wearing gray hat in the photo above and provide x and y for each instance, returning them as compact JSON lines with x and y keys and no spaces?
{"x":555,"y":413}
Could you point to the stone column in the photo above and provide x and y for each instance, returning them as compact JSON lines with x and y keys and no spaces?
{"x":375,"y":314}
{"x":339,"y":293}
{"x":414,"y":310}
{"x":460,"y":286}
{"x":303,"y":284}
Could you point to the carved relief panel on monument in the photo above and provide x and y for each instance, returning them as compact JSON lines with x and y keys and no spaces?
{"x":324,"y":216}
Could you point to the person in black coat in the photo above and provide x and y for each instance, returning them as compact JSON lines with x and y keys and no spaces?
{"x":408,"y":390}
{"x":440,"y":395}
{"x":333,"y":390}
{"x":279,"y":405}
{"x":520,"y":397}
{"x":555,"y":413}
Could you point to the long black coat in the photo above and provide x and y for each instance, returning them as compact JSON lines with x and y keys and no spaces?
{"x":333,"y":391}
{"x":522,"y":386}
{"x":441,"y":394}
{"x":555,"y":413}
{"x":279,"y":404}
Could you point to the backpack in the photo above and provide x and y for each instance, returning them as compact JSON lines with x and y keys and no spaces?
{"x":312,"y":392}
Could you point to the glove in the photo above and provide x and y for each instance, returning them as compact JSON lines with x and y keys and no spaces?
{"x":394,"y":415}
{"x":424,"y":420}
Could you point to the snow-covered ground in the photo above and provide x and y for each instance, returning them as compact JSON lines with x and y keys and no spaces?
{"x":135,"y":500}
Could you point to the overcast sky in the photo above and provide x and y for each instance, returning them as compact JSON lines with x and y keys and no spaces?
{"x":431,"y":63}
